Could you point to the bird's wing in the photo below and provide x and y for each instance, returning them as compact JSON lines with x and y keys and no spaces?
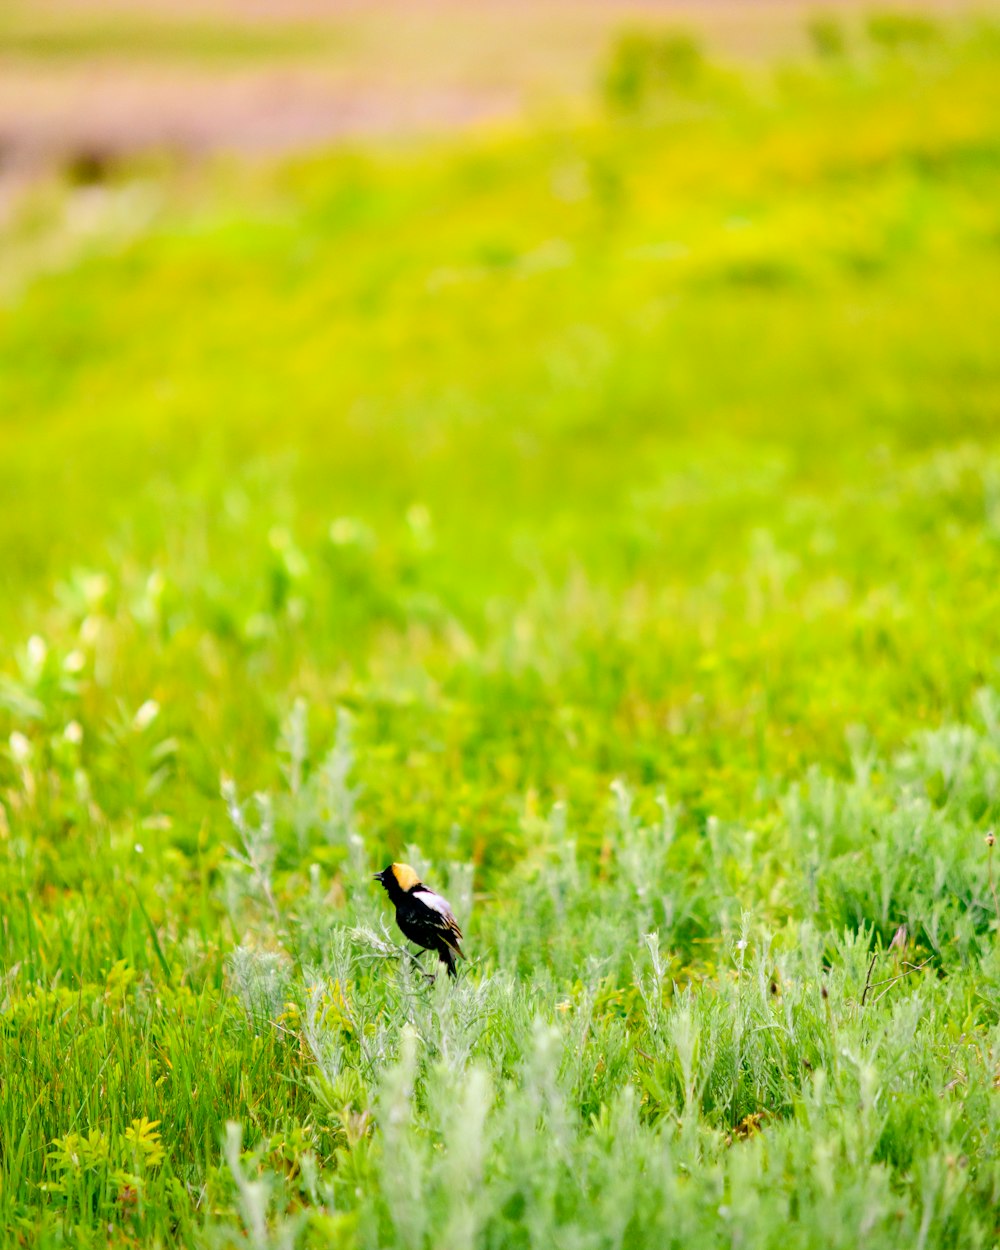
{"x":452,"y":933}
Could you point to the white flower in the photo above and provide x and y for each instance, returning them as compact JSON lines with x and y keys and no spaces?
{"x":74,"y":662}
{"x":145,"y":715}
{"x":20,"y":747}
{"x":95,"y":587}
{"x":73,"y":732}
{"x":37,"y":651}
{"x":90,"y":630}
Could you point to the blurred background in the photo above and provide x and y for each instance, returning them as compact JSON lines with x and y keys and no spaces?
{"x":571,"y":390}
{"x":86,"y":81}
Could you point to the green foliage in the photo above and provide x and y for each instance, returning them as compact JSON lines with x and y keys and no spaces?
{"x":827,"y":35}
{"x":644,"y":67}
{"x":605,"y":521}
{"x":898,"y":31}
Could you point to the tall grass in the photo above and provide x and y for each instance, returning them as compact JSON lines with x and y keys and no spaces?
{"x":603,"y":520}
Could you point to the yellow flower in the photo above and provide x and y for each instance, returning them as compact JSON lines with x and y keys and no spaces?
{"x":145,"y":1140}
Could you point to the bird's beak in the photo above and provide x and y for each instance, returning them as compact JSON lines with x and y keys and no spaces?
{"x":377,"y":877}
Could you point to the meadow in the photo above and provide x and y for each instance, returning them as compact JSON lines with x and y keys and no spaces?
{"x":603,"y":516}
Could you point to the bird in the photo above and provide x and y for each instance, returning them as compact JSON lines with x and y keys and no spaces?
{"x":423,"y":916}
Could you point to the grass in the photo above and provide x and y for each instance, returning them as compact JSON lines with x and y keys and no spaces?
{"x":606,"y":520}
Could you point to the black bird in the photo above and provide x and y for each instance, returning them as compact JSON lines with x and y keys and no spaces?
{"x":424,"y":917}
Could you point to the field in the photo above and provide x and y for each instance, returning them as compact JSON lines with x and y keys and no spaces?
{"x":599,"y":512}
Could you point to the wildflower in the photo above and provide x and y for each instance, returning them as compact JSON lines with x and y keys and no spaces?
{"x":95,"y":588}
{"x":37,"y":651}
{"x":145,"y":716}
{"x":20,"y":747}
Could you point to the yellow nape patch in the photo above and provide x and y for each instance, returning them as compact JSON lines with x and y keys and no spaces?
{"x":406,"y":878}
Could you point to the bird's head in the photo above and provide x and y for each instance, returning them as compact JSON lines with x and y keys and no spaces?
{"x":397,"y":877}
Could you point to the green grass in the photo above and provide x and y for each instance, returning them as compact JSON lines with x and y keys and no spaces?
{"x":605,"y":520}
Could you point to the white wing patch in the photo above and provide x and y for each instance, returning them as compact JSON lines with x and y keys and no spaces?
{"x":441,"y":905}
{"x":435,"y":901}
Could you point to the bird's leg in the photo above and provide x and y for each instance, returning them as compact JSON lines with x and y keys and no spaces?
{"x":416,"y":959}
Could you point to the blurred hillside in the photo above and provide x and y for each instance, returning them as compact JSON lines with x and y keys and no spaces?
{"x":83,"y":81}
